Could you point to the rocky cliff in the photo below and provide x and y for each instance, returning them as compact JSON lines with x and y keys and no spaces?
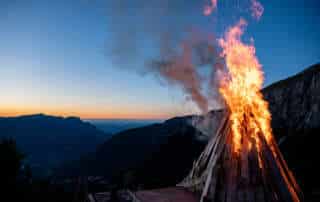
{"x":295,"y":107}
{"x":295,"y":102}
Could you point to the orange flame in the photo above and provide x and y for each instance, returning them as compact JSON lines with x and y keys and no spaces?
{"x":249,"y":112}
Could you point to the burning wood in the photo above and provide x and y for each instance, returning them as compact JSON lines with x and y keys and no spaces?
{"x":242,"y":161}
{"x":257,"y":173}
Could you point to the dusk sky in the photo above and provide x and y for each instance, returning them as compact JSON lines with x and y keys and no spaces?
{"x":54,"y":56}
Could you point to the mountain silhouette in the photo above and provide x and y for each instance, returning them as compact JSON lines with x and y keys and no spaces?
{"x":47,"y":141}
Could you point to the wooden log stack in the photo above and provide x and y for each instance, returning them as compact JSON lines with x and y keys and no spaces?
{"x":258,"y":173}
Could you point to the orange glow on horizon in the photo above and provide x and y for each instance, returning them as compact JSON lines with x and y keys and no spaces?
{"x":85,"y":113}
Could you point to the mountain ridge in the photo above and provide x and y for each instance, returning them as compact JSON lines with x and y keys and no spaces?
{"x":48,"y":140}
{"x":310,"y":70}
{"x":295,"y":102}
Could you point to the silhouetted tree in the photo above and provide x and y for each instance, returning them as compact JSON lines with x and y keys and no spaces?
{"x":11,"y":159}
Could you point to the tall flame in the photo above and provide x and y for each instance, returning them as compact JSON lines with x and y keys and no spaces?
{"x":249,"y":112}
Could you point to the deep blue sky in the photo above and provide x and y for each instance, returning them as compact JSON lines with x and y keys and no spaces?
{"x":53,"y":58}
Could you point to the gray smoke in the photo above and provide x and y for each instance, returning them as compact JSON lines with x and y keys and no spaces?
{"x":159,"y":37}
{"x":180,"y":67}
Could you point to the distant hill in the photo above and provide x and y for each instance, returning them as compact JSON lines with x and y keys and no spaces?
{"x":48,"y":140}
{"x":113,"y":126}
{"x":134,"y":149}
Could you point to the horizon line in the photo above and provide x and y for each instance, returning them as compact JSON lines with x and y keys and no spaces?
{"x":83,"y":118}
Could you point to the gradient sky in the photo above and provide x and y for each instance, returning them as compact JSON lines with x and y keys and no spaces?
{"x":53,"y":59}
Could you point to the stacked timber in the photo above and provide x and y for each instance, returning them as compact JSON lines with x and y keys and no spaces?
{"x":258,"y":173}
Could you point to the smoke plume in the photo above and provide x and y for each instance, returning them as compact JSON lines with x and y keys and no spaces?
{"x":181,"y":67}
{"x":159,"y":37}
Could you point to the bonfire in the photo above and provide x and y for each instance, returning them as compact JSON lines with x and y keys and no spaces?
{"x":242,"y":161}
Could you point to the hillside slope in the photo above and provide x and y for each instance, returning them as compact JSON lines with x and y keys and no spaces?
{"x":48,"y":140}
